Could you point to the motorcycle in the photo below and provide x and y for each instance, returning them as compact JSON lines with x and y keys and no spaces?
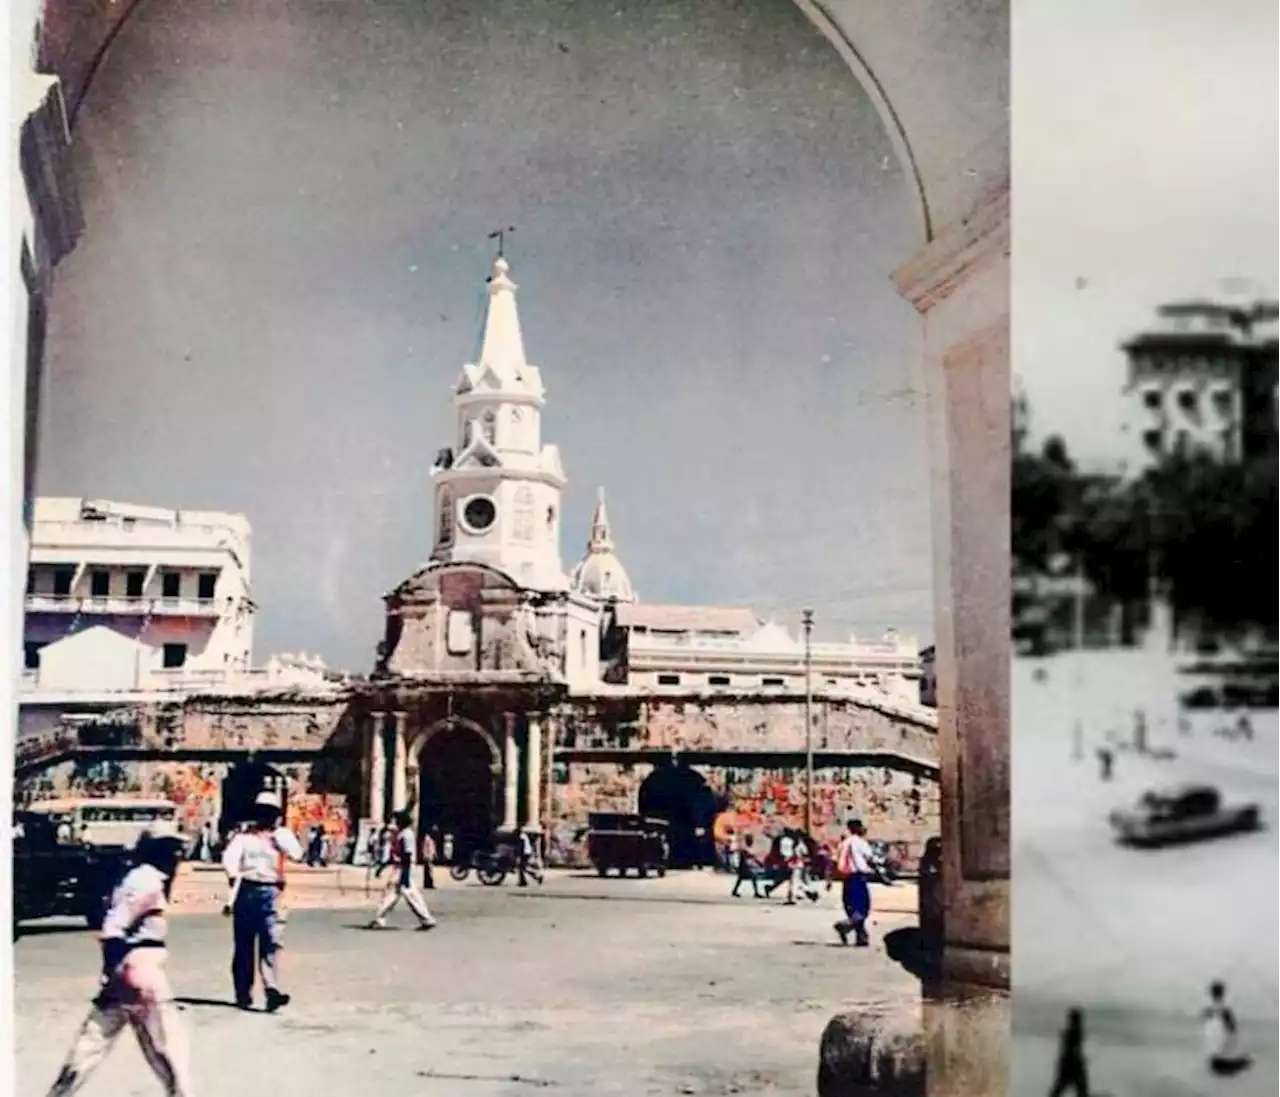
{"x":492,"y":867}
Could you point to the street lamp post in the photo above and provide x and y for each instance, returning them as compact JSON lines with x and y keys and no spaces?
{"x":807,"y":618}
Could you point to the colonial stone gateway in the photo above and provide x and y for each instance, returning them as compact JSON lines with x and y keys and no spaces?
{"x":472,"y":759}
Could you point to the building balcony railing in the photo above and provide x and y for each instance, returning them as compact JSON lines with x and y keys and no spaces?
{"x":124,"y":605}
{"x":188,"y":680}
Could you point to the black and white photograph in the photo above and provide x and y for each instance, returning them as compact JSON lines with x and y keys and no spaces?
{"x":1144,"y":550}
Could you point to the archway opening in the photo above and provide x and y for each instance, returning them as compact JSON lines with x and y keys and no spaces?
{"x":457,"y":802}
{"x":241,"y":786}
{"x":680,"y":796}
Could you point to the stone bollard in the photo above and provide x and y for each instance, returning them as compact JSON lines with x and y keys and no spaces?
{"x":872,"y":1054}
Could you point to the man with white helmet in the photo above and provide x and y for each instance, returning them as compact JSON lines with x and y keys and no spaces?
{"x":252,"y":862}
{"x":134,"y":986}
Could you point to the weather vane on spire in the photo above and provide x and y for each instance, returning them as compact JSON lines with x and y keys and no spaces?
{"x":501,"y":236}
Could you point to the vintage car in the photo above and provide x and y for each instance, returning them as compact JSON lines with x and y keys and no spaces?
{"x":1181,"y":814}
{"x":69,"y":854}
{"x":625,"y":842}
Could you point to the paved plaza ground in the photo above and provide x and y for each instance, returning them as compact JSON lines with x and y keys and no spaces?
{"x":1135,"y":937}
{"x":582,"y":987}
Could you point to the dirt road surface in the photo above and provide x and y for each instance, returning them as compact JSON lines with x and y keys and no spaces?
{"x":582,"y":987}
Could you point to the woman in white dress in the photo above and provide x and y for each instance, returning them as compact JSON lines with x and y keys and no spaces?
{"x":1221,"y":1039}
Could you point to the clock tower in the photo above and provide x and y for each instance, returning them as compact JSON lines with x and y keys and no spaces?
{"x":497,"y":491}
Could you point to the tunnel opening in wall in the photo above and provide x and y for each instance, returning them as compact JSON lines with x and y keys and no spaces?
{"x":241,"y":787}
{"x":682,"y":798}
{"x":457,"y":790}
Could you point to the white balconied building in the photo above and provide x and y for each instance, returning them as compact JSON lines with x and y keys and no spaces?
{"x":135,"y":597}
{"x":699,"y":649}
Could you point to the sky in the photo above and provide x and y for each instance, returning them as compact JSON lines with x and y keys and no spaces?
{"x":287,"y":209}
{"x":1144,"y":170}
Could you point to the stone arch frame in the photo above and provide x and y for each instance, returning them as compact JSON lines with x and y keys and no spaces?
{"x":419,"y":740}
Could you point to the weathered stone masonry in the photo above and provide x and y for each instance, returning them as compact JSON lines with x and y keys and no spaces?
{"x":868,"y":761}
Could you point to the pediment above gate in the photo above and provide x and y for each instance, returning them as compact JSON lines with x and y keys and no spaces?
{"x":457,"y":585}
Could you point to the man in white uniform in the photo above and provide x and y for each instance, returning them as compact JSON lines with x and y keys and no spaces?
{"x":252,"y":863}
{"x":135,"y":989}
{"x":400,"y":883}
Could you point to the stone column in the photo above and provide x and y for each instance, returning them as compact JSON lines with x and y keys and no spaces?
{"x":960,"y":284}
{"x":376,"y":749}
{"x":533,"y":773}
{"x":510,"y":773}
{"x":399,"y":763}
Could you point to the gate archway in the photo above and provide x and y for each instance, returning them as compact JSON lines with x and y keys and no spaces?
{"x":458,"y":787}
{"x":241,"y":786}
{"x":680,"y":796}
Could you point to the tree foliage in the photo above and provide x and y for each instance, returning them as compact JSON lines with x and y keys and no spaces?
{"x":1203,"y":529}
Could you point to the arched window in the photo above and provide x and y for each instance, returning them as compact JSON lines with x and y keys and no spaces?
{"x":489,"y":424}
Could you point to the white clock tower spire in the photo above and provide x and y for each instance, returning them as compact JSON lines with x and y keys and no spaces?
{"x":497,"y":492}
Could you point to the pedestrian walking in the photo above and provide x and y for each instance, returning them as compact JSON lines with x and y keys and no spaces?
{"x":802,"y":878}
{"x":400,"y":881}
{"x":1106,"y":761}
{"x":428,"y":859}
{"x":1072,"y":1073}
{"x":853,"y":867}
{"x":747,"y":868}
{"x":315,"y":848}
{"x":1221,"y":1035}
{"x":253,"y":862}
{"x":527,"y":861}
{"x":134,"y":988}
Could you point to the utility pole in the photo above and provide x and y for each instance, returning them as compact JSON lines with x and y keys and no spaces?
{"x":1077,"y":745}
{"x":807,"y":618}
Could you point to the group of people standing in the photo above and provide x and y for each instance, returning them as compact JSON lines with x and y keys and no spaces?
{"x":794,"y":863}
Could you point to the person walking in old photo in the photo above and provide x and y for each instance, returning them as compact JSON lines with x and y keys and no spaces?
{"x":400,"y":883}
{"x":1071,"y":1074}
{"x":429,"y":854}
{"x":748,"y":869}
{"x":854,"y":870}
{"x":528,"y":864}
{"x":134,"y":988}
{"x":253,"y":863}
{"x":1221,"y":1035}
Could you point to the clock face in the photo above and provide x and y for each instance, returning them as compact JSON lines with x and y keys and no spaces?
{"x":479,"y":513}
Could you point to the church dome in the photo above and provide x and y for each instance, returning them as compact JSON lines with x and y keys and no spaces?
{"x":600,"y":572}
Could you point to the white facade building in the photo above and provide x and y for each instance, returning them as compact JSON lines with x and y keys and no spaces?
{"x":1202,"y":378}
{"x":135,"y":598}
{"x":682,"y":649}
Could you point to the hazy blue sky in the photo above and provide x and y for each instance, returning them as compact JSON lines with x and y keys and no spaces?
{"x":1144,"y":145}
{"x":282,"y":276}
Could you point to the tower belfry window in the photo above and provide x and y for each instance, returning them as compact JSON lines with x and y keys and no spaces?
{"x":445,"y":535}
{"x":489,"y":426}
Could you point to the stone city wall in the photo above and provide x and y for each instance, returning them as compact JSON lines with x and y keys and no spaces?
{"x":183,"y":751}
{"x":763,"y":790}
{"x":725,"y":722}
{"x":871,"y":763}
{"x":898,"y":807}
